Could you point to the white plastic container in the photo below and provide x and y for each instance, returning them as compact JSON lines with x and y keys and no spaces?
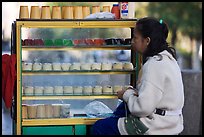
{"x":127,"y":10}
{"x":124,"y":10}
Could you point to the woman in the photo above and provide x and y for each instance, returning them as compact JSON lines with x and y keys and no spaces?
{"x":155,"y":107}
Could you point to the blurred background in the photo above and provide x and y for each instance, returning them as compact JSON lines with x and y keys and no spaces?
{"x":185,"y":25}
{"x":184,"y":20}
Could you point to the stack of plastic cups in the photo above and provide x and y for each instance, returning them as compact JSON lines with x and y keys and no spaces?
{"x":24,"y":13}
{"x":35,"y":12}
{"x":86,"y":11}
{"x":68,"y":12}
{"x":45,"y":12}
{"x":56,"y":12}
{"x":95,"y":9}
{"x":78,"y":12}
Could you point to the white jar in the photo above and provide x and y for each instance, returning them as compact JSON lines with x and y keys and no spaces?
{"x":78,"y":90}
{"x":58,"y":90}
{"x":86,"y":66}
{"x":56,"y":66}
{"x":37,"y":66}
{"x":97,"y":90}
{"x":87,"y":90}
{"x":38,"y":90}
{"x":47,"y":66}
{"x":75,"y":66}
{"x":48,"y":90}
{"x":117,"y":66}
{"x":68,"y":90}
{"x":96,"y":66}
{"x":27,"y":66}
{"x":28,"y":90}
{"x":117,"y":88}
{"x":65,"y":66}
{"x":108,"y":90}
{"x":106,"y":66}
{"x":128,"y":66}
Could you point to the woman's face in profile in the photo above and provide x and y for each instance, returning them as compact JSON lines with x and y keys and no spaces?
{"x":139,"y":43}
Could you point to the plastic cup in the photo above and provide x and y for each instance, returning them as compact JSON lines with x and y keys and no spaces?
{"x":95,"y":9}
{"x":48,"y":111}
{"x":68,"y":12}
{"x":78,"y":12}
{"x":24,"y":13}
{"x":56,"y":12}
{"x":106,"y":8}
{"x":41,"y":111}
{"x":32,"y":111}
{"x":35,"y":12}
{"x":24,"y":111}
{"x":56,"y":110}
{"x":45,"y":14}
{"x":86,"y":11}
{"x":63,"y":7}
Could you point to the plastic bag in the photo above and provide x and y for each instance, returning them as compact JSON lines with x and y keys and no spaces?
{"x":101,"y":15}
{"x":97,"y":109}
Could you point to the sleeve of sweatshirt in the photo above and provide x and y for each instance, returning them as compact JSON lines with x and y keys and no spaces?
{"x":149,"y":93}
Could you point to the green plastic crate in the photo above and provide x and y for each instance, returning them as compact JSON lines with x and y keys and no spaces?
{"x":80,"y":129}
{"x":48,"y":130}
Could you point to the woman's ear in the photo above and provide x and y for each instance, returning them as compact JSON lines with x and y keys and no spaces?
{"x":148,"y":40}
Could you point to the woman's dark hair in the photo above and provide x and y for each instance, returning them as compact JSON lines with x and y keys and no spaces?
{"x":157,"y":32}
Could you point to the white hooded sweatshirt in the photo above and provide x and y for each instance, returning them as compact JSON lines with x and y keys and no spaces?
{"x":160,"y":86}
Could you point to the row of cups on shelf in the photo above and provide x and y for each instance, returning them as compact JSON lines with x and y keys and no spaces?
{"x":38,"y":111}
{"x":68,"y":42}
{"x":77,"y":66}
{"x":58,"y":12}
{"x":72,"y":90}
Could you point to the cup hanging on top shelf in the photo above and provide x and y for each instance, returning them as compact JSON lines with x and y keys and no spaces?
{"x":35,"y":12}
{"x":45,"y":12}
{"x":86,"y":11}
{"x":56,"y":12}
{"x":95,"y":9}
{"x":24,"y":13}
{"x":78,"y":12}
{"x":106,"y":8}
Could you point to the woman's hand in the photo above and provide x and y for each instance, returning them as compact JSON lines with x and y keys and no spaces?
{"x":135,"y":91}
{"x":120,"y":94}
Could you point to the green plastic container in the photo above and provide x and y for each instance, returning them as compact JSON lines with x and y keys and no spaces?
{"x":58,"y":42}
{"x":68,"y":42}
{"x":48,"y":42}
{"x":80,"y":129}
{"x":48,"y":130}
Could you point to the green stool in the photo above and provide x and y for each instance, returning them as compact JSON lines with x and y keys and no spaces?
{"x":48,"y":42}
{"x":58,"y":42}
{"x":67,"y":42}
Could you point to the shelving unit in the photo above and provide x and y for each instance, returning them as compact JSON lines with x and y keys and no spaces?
{"x":25,"y":126}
